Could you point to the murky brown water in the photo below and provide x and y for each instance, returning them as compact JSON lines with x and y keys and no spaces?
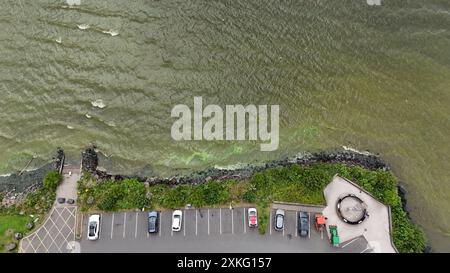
{"x":343,"y":73}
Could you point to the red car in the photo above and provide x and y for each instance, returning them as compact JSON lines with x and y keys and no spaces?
{"x":252,"y":217}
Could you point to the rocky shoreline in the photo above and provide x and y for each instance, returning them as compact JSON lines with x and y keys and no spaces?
{"x":368,"y":161}
{"x":15,"y":187}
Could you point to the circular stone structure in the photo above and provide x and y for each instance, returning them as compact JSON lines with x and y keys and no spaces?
{"x":351,"y":209}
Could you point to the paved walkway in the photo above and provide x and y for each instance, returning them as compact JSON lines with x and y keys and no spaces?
{"x":57,"y":233}
{"x":375,"y":229}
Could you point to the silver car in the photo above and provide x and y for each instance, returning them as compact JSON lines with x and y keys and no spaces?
{"x":279,"y":219}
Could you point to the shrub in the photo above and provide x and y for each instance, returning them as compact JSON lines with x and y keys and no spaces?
{"x":52,"y":180}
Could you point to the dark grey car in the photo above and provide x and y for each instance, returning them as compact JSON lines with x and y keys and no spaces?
{"x":153,"y":220}
{"x":303,"y":224}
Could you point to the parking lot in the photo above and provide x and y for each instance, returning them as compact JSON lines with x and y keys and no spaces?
{"x":206,"y":230}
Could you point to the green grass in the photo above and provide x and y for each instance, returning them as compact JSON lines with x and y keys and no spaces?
{"x":299,"y":184}
{"x":9,"y":225}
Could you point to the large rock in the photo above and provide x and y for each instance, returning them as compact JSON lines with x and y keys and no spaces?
{"x":30,"y":225}
{"x":90,"y":200}
{"x":90,"y":160}
{"x":18,"y":236}
{"x":10,"y":246}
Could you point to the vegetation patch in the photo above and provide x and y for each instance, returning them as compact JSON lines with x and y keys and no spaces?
{"x":14,"y":219}
{"x":9,"y":225}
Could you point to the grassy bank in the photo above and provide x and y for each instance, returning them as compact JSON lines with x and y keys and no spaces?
{"x":14,"y":219}
{"x":300,"y":184}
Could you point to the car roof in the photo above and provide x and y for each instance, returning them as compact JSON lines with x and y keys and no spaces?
{"x":94,"y":217}
{"x":279,"y":211}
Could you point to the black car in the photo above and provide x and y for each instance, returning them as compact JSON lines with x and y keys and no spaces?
{"x":303,"y":224}
{"x":153,"y":220}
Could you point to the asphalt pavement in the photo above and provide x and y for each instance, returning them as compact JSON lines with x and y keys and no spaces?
{"x":215,"y":230}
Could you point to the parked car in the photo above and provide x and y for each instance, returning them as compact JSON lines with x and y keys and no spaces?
{"x":93,"y":227}
{"x":303,"y":224}
{"x":279,"y":219}
{"x":252,"y":217}
{"x":153,"y":222}
{"x":177,"y":218}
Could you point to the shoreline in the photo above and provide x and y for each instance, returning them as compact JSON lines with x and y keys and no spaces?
{"x":90,"y":159}
{"x":366,"y":160}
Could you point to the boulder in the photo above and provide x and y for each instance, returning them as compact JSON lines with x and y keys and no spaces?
{"x":70,"y":201}
{"x":30,"y":225}
{"x":90,"y":200}
{"x":61,"y":200}
{"x":10,"y":246}
{"x":18,"y":236}
{"x":90,"y":160}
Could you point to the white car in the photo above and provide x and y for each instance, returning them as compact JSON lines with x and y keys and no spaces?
{"x":93,"y":227}
{"x":252,"y":217}
{"x":177,"y":218}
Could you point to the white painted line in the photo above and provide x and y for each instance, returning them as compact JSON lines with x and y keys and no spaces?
{"x":220,"y":220}
{"x":196,"y":227}
{"x":160,"y":225}
{"x":296,"y":223}
{"x":184,"y":222}
{"x":135,"y":229}
{"x":82,"y":224}
{"x":112,"y":226}
{"x":270,"y":222}
{"x":208,"y":221}
{"x":309,"y":225}
{"x":232,"y":221}
{"x":321,"y":234}
{"x":100,"y":227}
{"x":350,"y":242}
{"x":367,"y":248}
{"x":245,"y":226}
{"x":124,"y":224}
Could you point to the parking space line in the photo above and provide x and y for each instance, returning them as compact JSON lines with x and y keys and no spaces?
{"x":220,"y":220}
{"x":352,"y":241}
{"x":367,"y":248}
{"x":112,"y":226}
{"x":208,"y":221}
{"x":321,"y":234}
{"x":232,"y":221}
{"x":160,"y":225}
{"x":309,"y":225}
{"x":296,"y":223}
{"x":196,"y":227}
{"x":184,"y":222}
{"x":82,"y":228}
{"x":124,"y":224}
{"x":100,"y":227}
{"x":270,"y":223}
{"x":135,"y":229}
{"x":245,"y":227}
